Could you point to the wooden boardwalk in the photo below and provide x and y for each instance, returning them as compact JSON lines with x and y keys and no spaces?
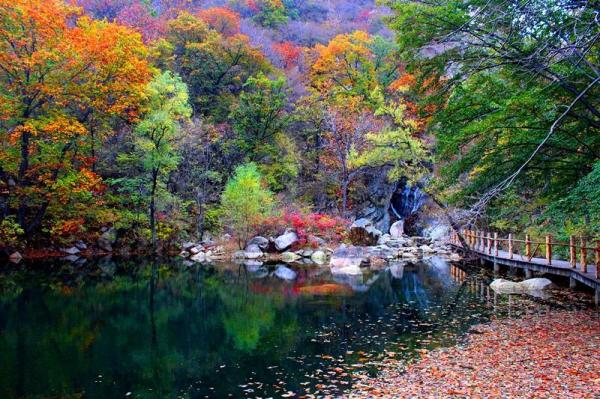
{"x":522,"y":254}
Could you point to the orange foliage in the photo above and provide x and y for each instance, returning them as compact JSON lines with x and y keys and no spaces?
{"x":222,"y":19}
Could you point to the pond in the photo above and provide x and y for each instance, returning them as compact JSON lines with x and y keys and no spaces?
{"x":164,"y":328}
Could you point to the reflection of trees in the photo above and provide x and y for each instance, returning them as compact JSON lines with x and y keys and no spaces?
{"x":146,"y":326}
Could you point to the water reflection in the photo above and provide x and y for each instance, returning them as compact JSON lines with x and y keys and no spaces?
{"x":173,"y":329}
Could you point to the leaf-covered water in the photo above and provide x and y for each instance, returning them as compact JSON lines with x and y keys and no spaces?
{"x":164,"y":329}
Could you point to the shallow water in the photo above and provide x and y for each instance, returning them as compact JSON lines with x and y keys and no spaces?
{"x":166,"y":329}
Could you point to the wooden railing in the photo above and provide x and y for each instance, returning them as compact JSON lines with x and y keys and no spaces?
{"x":578,"y":249}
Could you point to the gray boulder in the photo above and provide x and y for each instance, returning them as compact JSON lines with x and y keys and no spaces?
{"x":510,"y":287}
{"x":199,"y":257}
{"x":260,"y":242}
{"x":347,"y":256}
{"x":252,"y":252}
{"x":285,"y":241}
{"x":70,"y":251}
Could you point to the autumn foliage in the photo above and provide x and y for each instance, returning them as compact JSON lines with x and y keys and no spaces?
{"x":222,"y":19}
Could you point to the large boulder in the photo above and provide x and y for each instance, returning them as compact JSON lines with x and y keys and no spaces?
{"x":364,"y":233}
{"x":397,"y":229}
{"x":285,"y":273}
{"x":285,"y":241}
{"x":252,"y":252}
{"x":510,"y":287}
{"x":347,"y":257}
{"x":108,"y":239}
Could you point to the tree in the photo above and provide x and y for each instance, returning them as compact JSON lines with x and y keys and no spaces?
{"x":222,"y":19}
{"x":214,"y":67}
{"x":156,"y":135}
{"x":345,"y":141}
{"x":245,"y":201}
{"x":352,"y":65}
{"x":63,"y":80}
{"x":515,"y":88}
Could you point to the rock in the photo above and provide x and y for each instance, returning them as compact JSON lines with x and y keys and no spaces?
{"x":70,"y":251}
{"x":184,"y":254}
{"x":426,"y":249}
{"x":510,"y":287}
{"x":207,"y":237}
{"x":285,"y":241}
{"x":307,"y":253}
{"x":252,"y":252}
{"x":384,"y":239}
{"x":71,"y":258}
{"x":196,"y":249}
{"x":253,"y":265}
{"x":285,"y":273}
{"x":364,"y":233}
{"x":261,"y":242}
{"x":81,"y":245}
{"x":290,"y":257}
{"x":376,"y":262}
{"x":347,"y":256}
{"x":108,"y":239}
{"x":188,"y":245}
{"x":454,"y":257}
{"x":225,"y":237}
{"x":397,"y":229}
{"x":199,"y":257}
{"x":536,"y":284}
{"x":319,"y":257}
{"x":239,"y":255}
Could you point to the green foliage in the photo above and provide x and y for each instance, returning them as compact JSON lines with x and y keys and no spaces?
{"x":10,"y":232}
{"x":245,"y":201}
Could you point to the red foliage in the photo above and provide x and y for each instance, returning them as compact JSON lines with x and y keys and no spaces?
{"x":138,"y":16}
{"x":222,"y":19}
{"x":289,"y":52}
{"x":330,"y":228}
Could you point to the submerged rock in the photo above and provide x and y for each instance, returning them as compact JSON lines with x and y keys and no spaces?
{"x":70,"y":251}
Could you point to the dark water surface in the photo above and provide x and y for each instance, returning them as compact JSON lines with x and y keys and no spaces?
{"x":163,"y":329}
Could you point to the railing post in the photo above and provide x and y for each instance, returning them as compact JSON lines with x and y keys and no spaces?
{"x":598,"y":259}
{"x":527,"y":247}
{"x":549,"y":249}
{"x":510,"y":246}
{"x":489,"y":243}
{"x":583,"y":256}
{"x":496,"y":244}
{"x":573,"y":252}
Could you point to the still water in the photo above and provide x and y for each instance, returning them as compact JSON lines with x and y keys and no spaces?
{"x":142,"y":328}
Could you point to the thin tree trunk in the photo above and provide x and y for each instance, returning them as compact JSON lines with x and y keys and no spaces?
{"x":23,"y":169}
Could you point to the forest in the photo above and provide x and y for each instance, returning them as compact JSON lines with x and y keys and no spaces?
{"x":167,"y":120}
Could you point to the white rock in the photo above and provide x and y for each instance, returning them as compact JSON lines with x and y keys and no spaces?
{"x":15,"y":257}
{"x":261,"y":242}
{"x":397,"y":229}
{"x":347,"y":256}
{"x":510,"y":287}
{"x":70,"y":251}
{"x":184,"y":254}
{"x":350,"y":270}
{"x":196,"y":249}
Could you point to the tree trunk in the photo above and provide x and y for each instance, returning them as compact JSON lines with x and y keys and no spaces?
{"x":23,"y":169}
{"x":452,"y":222}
